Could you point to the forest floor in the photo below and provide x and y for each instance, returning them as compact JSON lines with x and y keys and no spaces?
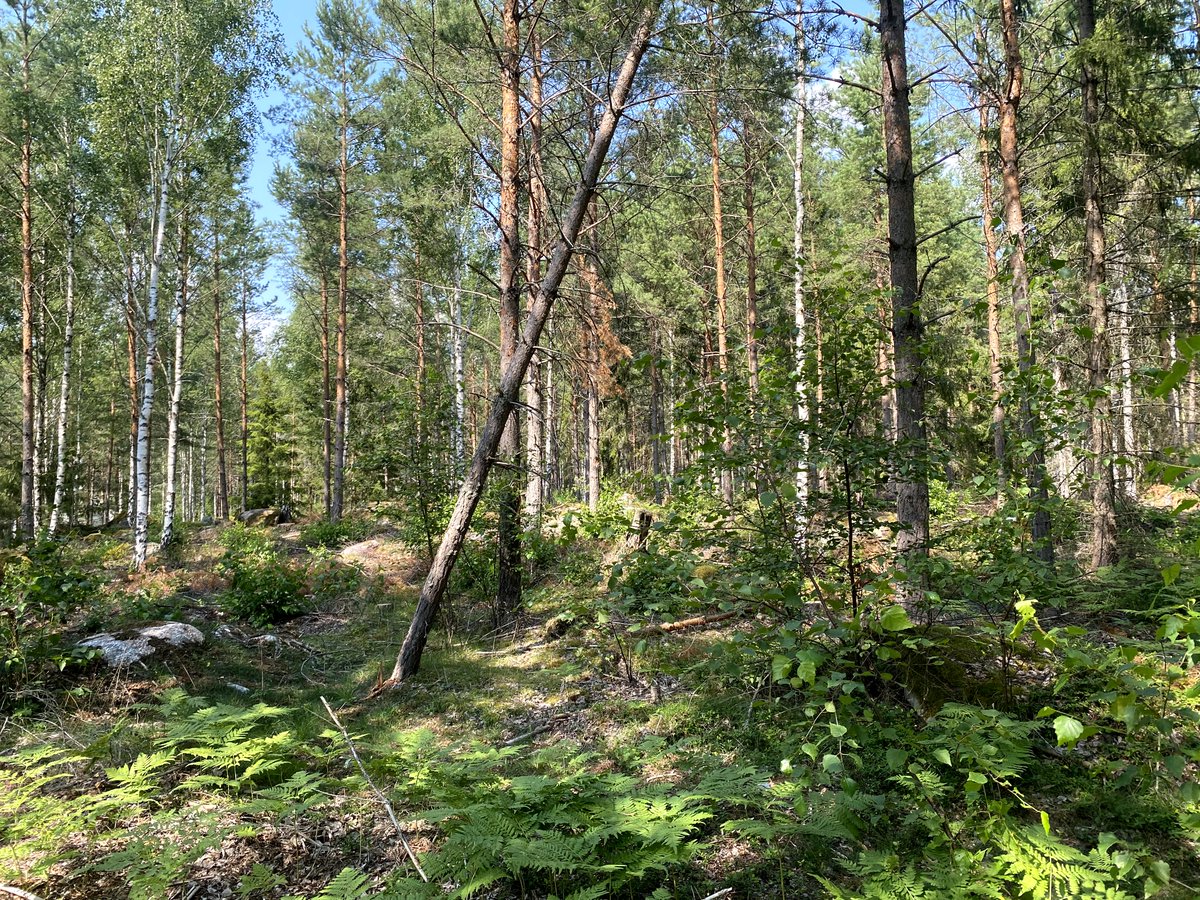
{"x":567,"y":755}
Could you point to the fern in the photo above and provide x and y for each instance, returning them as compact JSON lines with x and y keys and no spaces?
{"x":348,"y":884}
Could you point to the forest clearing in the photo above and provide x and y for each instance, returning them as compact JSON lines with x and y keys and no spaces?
{"x":562,"y":451}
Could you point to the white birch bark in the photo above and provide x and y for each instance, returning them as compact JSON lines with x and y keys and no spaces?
{"x":1128,"y":469}
{"x":800,"y":101}
{"x":181,"y":304}
{"x":64,"y":391}
{"x":141,"y":519}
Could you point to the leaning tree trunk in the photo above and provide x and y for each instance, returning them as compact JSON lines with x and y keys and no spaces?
{"x":142,"y":521}
{"x":912,"y":488}
{"x":409,"y":659}
{"x":64,"y":388}
{"x":1104,"y":516}
{"x":1014,"y":226}
{"x":181,"y":305}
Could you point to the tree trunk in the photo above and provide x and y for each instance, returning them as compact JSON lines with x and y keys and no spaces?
{"x":221,"y":499}
{"x":339,"y":429}
{"x":409,"y":659}
{"x":326,"y":399}
{"x":508,"y":559}
{"x":719,"y":264}
{"x":27,"y":525}
{"x":1014,"y":226}
{"x":799,"y":310}
{"x":141,"y":526}
{"x":64,"y":389}
{"x":912,"y":489}
{"x":130,"y":492}
{"x":748,"y":200}
{"x":1127,"y":446}
{"x":1104,"y":516}
{"x":995,"y":372}
{"x":245,"y":393}
{"x":1193,"y":324}
{"x":535,"y":485}
{"x":181,"y":305}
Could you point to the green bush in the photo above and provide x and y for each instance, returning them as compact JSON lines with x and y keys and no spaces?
{"x":333,"y":534}
{"x":264,"y":588}
{"x":38,"y":594}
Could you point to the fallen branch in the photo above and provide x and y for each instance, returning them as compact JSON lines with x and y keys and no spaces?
{"x":378,"y":793}
{"x":541,"y":729}
{"x":694,"y":622}
{"x":17,"y":892}
{"x":724,"y":892}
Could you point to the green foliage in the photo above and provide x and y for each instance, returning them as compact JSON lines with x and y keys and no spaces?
{"x":560,"y":827}
{"x":333,"y":534}
{"x":39,"y":593}
{"x":264,"y":587}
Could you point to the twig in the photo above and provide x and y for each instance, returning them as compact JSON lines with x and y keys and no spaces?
{"x":386,"y":803}
{"x":720,"y":893}
{"x":541,"y":729}
{"x":17,"y":892}
{"x":695,"y":622}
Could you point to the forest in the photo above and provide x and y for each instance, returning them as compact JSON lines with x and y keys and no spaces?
{"x":640,"y":449}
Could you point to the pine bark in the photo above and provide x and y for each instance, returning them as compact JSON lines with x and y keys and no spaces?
{"x":340,"y":397}
{"x":722,"y":297}
{"x":995,"y":355}
{"x":1104,"y":516}
{"x":27,"y":525}
{"x":1014,"y":226}
{"x":912,"y":488}
{"x":326,"y":399}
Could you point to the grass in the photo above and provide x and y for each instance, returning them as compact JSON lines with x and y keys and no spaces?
{"x":486,"y":706}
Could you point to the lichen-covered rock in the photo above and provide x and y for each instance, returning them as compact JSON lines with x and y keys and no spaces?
{"x":259,"y":518}
{"x":137,"y":645}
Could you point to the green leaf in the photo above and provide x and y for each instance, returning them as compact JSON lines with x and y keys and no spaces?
{"x":1068,"y":731}
{"x":975,"y":781}
{"x":1171,"y":573}
{"x":837,"y":730}
{"x":831,"y":764}
{"x":1046,"y":822}
{"x":942,"y":755}
{"x":894,"y":618}
{"x":896,"y":758}
{"x":1172,"y":379}
{"x":780,"y":666}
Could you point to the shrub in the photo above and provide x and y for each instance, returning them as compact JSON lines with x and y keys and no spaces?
{"x":333,"y":534}
{"x":264,"y":588}
{"x":38,"y":593}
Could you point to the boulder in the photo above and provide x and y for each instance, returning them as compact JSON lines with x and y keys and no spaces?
{"x":259,"y":518}
{"x":129,"y":648}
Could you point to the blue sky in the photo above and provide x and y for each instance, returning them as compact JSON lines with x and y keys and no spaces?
{"x":292,"y":15}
